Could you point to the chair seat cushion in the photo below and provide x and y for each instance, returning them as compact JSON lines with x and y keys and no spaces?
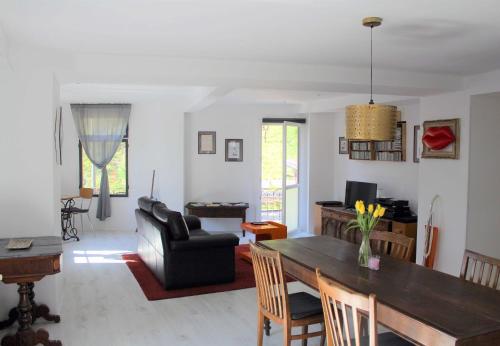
{"x":197,"y":232}
{"x":304,"y":305}
{"x":384,"y":339}
{"x":74,"y":210}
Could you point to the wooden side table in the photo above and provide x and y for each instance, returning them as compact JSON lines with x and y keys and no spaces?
{"x":25,"y":267}
{"x":271,"y":230}
{"x":219,"y":210}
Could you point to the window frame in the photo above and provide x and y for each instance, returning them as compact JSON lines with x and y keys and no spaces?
{"x":80,"y":157}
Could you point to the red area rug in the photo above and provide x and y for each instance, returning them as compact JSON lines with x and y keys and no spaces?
{"x":153,"y":290}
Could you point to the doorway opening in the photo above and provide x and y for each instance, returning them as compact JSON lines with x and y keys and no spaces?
{"x":280,"y":178}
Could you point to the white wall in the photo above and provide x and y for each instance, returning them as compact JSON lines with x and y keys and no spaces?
{"x":28,"y":202}
{"x":209,"y":177}
{"x":396,"y":179}
{"x":448,"y":179}
{"x":322,"y":149}
{"x":483,"y":219}
{"x":156,"y":141}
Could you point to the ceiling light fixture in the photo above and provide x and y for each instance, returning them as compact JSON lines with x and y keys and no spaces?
{"x":371,"y":121}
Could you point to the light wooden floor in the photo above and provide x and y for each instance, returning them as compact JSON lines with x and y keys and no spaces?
{"x":104,"y":305}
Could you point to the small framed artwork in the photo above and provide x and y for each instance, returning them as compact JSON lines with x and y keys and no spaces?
{"x":441,"y":139}
{"x":234,"y":150}
{"x":417,"y":144}
{"x":343,"y":146}
{"x":206,"y":142}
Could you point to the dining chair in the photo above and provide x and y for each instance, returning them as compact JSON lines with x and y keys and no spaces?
{"x":274,"y":303}
{"x":480,"y":269}
{"x":392,"y":244}
{"x":344,"y":312}
{"x":85,"y":198}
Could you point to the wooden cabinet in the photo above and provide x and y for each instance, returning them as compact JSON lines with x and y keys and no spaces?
{"x":334,"y":222}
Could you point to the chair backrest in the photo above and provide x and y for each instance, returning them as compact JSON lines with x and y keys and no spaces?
{"x":86,"y":193}
{"x":480,"y":269}
{"x":340,"y":306}
{"x":272,"y":294}
{"x":392,"y":244}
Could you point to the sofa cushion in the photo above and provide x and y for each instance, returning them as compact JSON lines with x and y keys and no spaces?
{"x":160,"y":212}
{"x":197,"y":232}
{"x":178,"y":229}
{"x":147,"y":204}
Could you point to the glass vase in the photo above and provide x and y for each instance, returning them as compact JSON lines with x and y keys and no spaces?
{"x":365,"y":251}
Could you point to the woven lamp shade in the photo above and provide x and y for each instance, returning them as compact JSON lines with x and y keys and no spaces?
{"x":371,"y":122}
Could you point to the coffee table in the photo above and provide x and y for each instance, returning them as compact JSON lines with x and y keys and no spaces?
{"x":269,"y":231}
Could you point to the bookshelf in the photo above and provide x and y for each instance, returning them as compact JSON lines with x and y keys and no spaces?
{"x":393,"y":150}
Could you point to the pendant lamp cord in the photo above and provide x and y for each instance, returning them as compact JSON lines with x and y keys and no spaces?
{"x":371,"y":65}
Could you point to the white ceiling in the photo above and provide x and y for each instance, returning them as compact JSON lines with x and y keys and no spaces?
{"x":445,"y":36}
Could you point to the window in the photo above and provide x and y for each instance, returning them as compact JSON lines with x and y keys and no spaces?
{"x":117,"y":171}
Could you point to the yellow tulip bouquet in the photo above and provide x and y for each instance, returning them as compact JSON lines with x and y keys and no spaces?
{"x":365,"y":221}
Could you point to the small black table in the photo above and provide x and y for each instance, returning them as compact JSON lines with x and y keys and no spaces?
{"x":218,"y":210}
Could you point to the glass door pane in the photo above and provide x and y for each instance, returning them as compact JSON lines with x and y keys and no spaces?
{"x":292,"y":176}
{"x":272,"y":173}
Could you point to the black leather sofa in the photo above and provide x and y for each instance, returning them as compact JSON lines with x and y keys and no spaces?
{"x":178,"y":251}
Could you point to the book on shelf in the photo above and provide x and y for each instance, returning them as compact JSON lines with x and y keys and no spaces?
{"x":361,"y":155}
{"x":361,"y":146}
{"x":389,"y":156}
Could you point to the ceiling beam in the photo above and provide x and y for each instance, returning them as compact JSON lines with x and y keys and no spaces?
{"x":208,"y":99}
{"x":149,"y":70}
{"x":338,"y":104}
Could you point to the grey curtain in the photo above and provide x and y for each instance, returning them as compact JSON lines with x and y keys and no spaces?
{"x":101,"y":128}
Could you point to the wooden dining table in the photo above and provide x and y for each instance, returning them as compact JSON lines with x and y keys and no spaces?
{"x":425,"y":306}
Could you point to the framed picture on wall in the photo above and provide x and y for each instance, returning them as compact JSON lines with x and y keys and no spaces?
{"x":417,"y":143}
{"x":234,"y":150}
{"x":441,"y":139}
{"x":206,"y":142}
{"x":343,"y":146}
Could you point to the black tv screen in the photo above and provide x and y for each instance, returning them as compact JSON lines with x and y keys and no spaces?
{"x":356,"y":190}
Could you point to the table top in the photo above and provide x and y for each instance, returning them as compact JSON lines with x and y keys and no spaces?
{"x":258,"y":229}
{"x":41,"y":246}
{"x":65,"y":198}
{"x":211,"y":205}
{"x":456,"y":307}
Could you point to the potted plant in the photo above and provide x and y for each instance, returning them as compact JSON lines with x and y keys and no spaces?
{"x":365,"y":221}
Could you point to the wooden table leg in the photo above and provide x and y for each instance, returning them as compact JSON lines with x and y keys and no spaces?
{"x":37,"y":311}
{"x":25,"y":335}
{"x":42,"y":310}
{"x":243,"y":220}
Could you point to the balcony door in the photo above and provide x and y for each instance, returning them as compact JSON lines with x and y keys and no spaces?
{"x":280,"y":184}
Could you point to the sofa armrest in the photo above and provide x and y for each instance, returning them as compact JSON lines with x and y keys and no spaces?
{"x":205,"y":241}
{"x":193,"y":222}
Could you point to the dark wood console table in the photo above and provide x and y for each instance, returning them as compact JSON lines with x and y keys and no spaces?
{"x":25,"y":267}
{"x":218,"y":210}
{"x":334,"y":222}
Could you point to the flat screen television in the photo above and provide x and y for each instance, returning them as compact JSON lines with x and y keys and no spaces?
{"x":357,"y":190}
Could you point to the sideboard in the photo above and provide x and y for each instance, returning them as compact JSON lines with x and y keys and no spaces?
{"x":334,"y":222}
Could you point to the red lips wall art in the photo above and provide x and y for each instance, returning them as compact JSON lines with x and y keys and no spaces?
{"x":438,"y":137}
